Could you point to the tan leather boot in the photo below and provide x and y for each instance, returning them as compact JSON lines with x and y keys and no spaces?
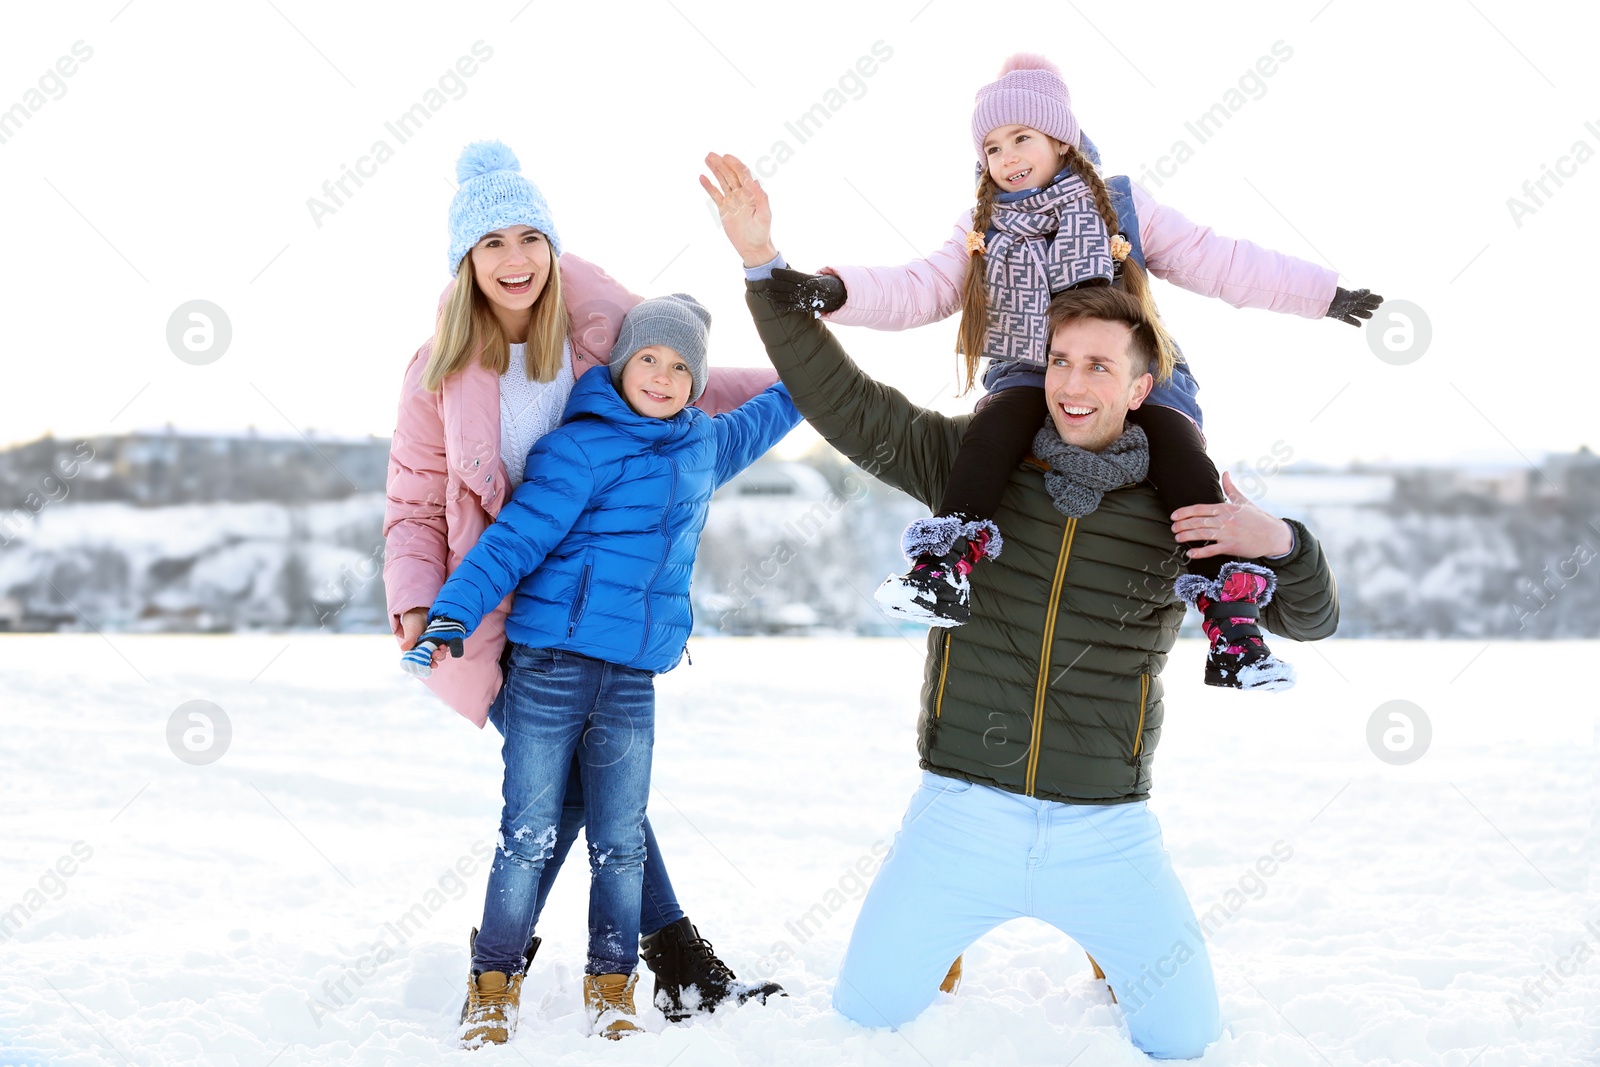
{"x":490,"y":1015}
{"x":609,"y":998}
{"x":952,"y":978}
{"x":1098,"y":973}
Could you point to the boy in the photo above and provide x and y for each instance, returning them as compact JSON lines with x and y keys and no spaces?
{"x":599,"y":543}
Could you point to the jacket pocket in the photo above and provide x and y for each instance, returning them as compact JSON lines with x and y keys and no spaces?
{"x":944,"y":672}
{"x":1138,"y":731}
{"x":580,"y":599}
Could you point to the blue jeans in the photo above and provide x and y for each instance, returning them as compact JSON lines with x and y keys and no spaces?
{"x":658,"y":900}
{"x":562,"y":708}
{"x":969,"y":857}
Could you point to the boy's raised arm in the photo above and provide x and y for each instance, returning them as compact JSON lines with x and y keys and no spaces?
{"x":746,"y":434}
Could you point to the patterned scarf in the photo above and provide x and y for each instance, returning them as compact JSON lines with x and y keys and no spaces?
{"x":1078,"y":478}
{"x":1047,"y":242}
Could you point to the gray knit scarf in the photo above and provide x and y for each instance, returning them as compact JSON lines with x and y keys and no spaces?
{"x":1078,"y":478}
{"x":1045,"y":243}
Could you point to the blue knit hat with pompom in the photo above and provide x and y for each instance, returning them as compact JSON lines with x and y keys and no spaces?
{"x":493,"y":193}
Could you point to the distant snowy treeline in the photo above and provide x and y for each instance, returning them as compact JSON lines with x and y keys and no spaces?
{"x":791,"y":547}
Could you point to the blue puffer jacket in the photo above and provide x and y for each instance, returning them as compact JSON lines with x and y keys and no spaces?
{"x":599,"y":540}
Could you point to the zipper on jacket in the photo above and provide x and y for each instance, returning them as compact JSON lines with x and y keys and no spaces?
{"x":666,"y":547}
{"x":1138,"y":733}
{"x":579,"y":600}
{"x":1041,"y":688}
{"x":944,"y":672}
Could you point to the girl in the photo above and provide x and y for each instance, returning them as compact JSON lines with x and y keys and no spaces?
{"x":497,"y":375}
{"x":1046,"y":221}
{"x":598,"y":542}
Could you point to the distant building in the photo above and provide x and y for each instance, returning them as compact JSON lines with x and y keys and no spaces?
{"x":158,"y":468}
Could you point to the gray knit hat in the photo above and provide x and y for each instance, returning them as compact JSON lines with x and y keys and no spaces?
{"x":677,"y":321}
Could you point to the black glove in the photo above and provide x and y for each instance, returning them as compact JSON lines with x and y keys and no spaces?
{"x":1352,"y":307}
{"x":795,"y":290}
{"x":442,"y":632}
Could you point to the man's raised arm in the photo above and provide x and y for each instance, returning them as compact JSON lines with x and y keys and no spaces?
{"x":872,"y":425}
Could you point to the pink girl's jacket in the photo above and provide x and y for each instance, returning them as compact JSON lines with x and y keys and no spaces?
{"x":447,"y":482}
{"x":1184,"y":253}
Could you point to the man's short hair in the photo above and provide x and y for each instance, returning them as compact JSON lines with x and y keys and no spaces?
{"x":1109,"y":304}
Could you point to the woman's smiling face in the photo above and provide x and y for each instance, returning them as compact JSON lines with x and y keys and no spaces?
{"x":511,"y":266}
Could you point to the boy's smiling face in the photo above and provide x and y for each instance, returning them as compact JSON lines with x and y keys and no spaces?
{"x":656,"y":382}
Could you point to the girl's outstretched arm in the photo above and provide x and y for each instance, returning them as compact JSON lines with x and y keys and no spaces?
{"x":910,"y":295}
{"x":1241,"y":272}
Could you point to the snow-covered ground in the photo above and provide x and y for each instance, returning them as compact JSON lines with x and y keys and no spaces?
{"x":298,"y":900}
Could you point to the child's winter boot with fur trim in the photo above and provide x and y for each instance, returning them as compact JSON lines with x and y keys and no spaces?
{"x":943,"y":549}
{"x":1230,"y":604}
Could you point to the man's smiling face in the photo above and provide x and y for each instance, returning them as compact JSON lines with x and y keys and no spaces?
{"x":1091,"y":381}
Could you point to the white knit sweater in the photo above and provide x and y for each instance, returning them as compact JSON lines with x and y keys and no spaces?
{"x":529,"y":409}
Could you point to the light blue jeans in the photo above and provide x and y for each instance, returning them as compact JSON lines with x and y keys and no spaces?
{"x":969,"y":857}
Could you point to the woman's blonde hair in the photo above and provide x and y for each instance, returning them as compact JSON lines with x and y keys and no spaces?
{"x":467,"y":329}
{"x":1132,"y":280}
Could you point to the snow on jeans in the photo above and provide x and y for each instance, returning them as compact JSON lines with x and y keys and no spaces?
{"x":560,"y":704}
{"x":968,"y":857}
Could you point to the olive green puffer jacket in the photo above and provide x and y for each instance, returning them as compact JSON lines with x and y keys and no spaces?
{"x":1053,"y":689}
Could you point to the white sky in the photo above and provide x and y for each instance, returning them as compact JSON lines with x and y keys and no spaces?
{"x":177,"y":165}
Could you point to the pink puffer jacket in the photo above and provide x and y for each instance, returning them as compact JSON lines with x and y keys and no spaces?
{"x":447,"y":482}
{"x":1183,"y":252}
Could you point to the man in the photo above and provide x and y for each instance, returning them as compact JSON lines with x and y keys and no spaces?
{"x":1041,"y":715}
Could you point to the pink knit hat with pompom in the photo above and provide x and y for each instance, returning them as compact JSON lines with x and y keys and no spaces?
{"x":1029,"y":92}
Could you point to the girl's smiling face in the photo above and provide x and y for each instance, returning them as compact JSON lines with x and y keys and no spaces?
{"x":1020,"y":157}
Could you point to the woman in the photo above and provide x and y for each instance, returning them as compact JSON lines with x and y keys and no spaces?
{"x":517,"y":327}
